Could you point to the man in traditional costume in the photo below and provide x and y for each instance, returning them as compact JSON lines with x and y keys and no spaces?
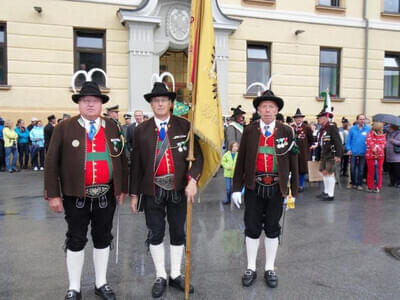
{"x":112,"y":112}
{"x":304,"y":139}
{"x":331,"y":151}
{"x":266,"y":165}
{"x":160,"y":177}
{"x":85,"y":175}
{"x":234,"y":130}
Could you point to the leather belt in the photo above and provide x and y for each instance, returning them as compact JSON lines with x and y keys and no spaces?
{"x":165,"y":182}
{"x":96,"y":190}
{"x":267,"y":179}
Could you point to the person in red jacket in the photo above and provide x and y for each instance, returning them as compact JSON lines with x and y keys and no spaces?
{"x":375,"y":154}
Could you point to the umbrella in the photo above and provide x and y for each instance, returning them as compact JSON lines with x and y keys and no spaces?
{"x":387,"y":118}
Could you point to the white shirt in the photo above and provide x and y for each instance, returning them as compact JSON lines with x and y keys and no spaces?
{"x":271,"y":126}
{"x":158,"y":123}
{"x":87,"y":124}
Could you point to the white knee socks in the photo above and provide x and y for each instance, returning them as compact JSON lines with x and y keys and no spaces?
{"x":271,"y":248}
{"x":252,"y":249}
{"x":158,"y":255}
{"x":325,"y":181}
{"x":100,"y":261}
{"x":75,"y":261}
{"x":176,"y":259}
{"x":331,"y":185}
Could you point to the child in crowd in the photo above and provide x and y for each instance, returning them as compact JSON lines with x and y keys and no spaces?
{"x":228,"y":163}
{"x":375,"y":154}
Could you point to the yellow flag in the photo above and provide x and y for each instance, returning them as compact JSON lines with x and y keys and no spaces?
{"x":207,"y":117}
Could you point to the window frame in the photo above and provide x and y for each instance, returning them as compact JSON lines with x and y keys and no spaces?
{"x":77,"y":49}
{"x":396,"y":55}
{"x":390,"y":12}
{"x":268,"y":47}
{"x":331,"y":5}
{"x":337,"y":65}
{"x":4,"y":46}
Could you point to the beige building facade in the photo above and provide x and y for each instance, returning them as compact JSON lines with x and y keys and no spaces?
{"x":350,"y":46}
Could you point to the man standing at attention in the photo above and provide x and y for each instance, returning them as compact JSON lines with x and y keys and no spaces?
{"x":85,"y":167}
{"x":267,"y":160}
{"x":331,"y":149}
{"x":304,"y":138}
{"x":160,"y":175}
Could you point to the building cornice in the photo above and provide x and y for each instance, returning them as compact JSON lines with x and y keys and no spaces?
{"x":311,"y":18}
{"x":113,"y":2}
{"x":280,"y":15}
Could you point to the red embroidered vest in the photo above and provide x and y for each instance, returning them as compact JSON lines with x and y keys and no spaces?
{"x":166,"y":165}
{"x":266,"y":157}
{"x":98,"y":161}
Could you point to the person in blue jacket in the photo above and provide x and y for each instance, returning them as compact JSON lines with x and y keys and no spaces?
{"x":356,"y":148}
{"x":23,"y":144}
{"x":37,"y":137}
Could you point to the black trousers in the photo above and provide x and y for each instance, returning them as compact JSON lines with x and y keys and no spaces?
{"x":155,"y":212}
{"x":23,"y":154}
{"x":344,"y":164}
{"x":37,"y":152}
{"x":263,"y":212}
{"x":394,"y":173}
{"x":94,"y":212}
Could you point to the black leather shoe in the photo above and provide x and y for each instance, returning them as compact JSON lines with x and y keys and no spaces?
{"x":271,"y":278}
{"x":105,"y":292}
{"x":159,"y":287}
{"x":179,"y":283}
{"x":226,"y":202}
{"x":328,"y":198}
{"x":322,"y":195}
{"x":73,"y":295}
{"x":249,"y":277}
{"x":301,"y":189}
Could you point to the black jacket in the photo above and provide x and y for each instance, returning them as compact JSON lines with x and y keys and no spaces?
{"x":48,"y":131}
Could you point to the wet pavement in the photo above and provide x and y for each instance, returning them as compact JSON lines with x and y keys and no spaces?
{"x":330,"y":250}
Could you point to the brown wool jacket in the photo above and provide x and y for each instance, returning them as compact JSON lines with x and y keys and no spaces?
{"x":143,"y":156}
{"x":245,"y":169}
{"x":65,"y":164}
{"x":331,"y":143}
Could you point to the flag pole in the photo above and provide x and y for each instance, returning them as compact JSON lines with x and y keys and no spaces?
{"x":190,"y":156}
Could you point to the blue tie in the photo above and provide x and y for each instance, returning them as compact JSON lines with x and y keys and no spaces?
{"x":266,"y":132}
{"x":162,"y":131}
{"x":92,"y":130}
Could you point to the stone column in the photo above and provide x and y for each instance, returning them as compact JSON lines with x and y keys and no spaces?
{"x":143,"y":62}
{"x":222,"y":59}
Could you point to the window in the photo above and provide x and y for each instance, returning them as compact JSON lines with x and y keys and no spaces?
{"x":392,"y":6}
{"x":329,"y":71}
{"x":334,"y":3}
{"x":3,"y":54}
{"x":392,"y":72}
{"x":90,"y":52}
{"x":258,"y":65}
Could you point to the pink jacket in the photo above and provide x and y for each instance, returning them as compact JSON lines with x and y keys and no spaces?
{"x":375,"y":145}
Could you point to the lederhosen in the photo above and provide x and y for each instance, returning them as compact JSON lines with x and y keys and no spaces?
{"x":98,"y":206}
{"x":263,"y":205}
{"x":167,"y":200}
